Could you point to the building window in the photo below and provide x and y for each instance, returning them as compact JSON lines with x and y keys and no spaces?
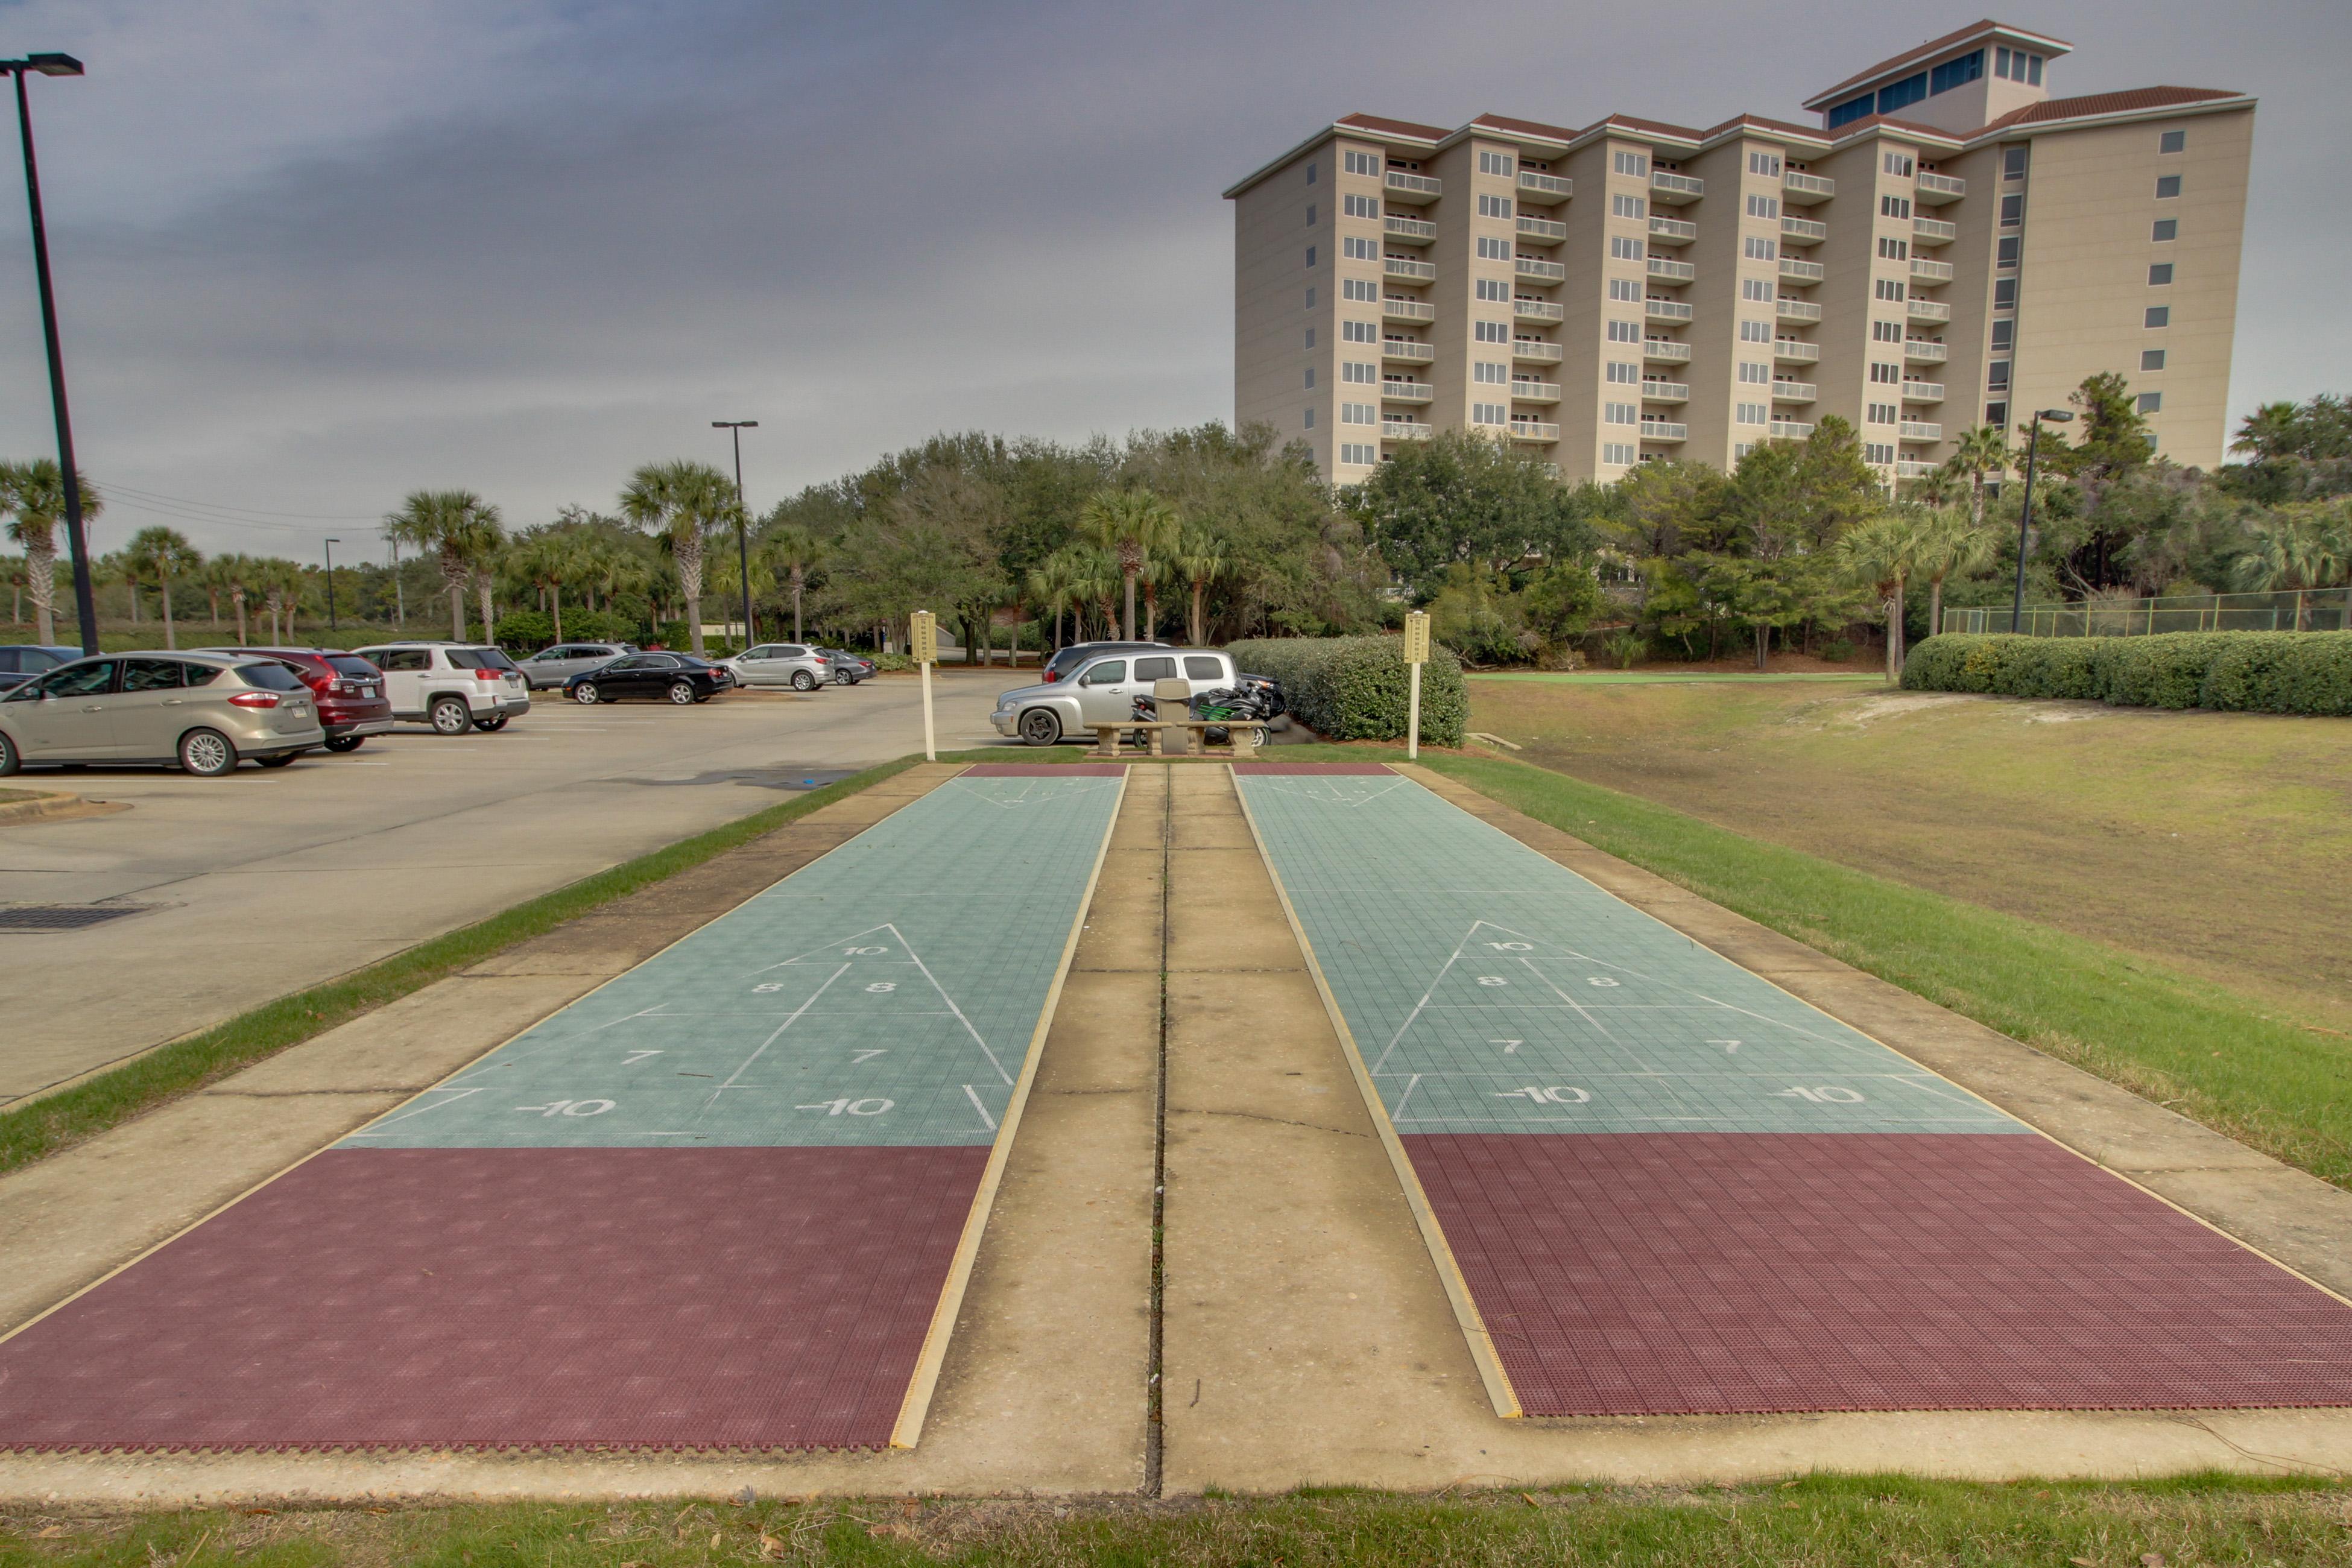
{"x":1495,"y":163}
{"x":1765,"y":163}
{"x":1310,"y":256}
{"x":2012,"y":209}
{"x":1310,"y":214}
{"x":1358,"y":413}
{"x":1894,"y":206}
{"x":1852,"y":109}
{"x":1356,"y":249}
{"x":1753,"y":413}
{"x":1491,"y":331}
{"x":1360,"y":333}
{"x":1310,"y":419}
{"x":1902,"y":94}
{"x":1754,"y":332}
{"x":2012,"y":162}
{"x":2167,"y":186}
{"x":1494,"y":249}
{"x":1310,"y":295}
{"x":1629,"y":206}
{"x":1310,"y":179}
{"x":2159,"y":275}
{"x":1361,"y":164}
{"x":2004,"y":333}
{"x":1494,"y":207}
{"x":2151,"y":403}
{"x":1763,"y":206}
{"x":1997,"y":375}
{"x":1360,"y":454}
{"x":1881,"y":413}
{"x":1885,"y":374}
{"x":1952,"y":73}
{"x":1486,"y":370}
{"x":2016,"y":65}
{"x":2160,"y":316}
{"x":1880,"y":452}
{"x":2006,"y":255}
{"x":1898,"y":164}
{"x":1311,"y":337}
{"x":1894,"y":249}
{"x":1353,"y":289}
{"x":1627,"y":288}
{"x":1494,"y":289}
{"x":2004,"y":293}
{"x":1622,"y":371}
{"x":1623,"y":249}
{"x":1759,"y":290}
{"x":1758,"y":249}
{"x":1634,"y":163}
{"x":1886,"y":332}
{"x":2172,"y":142}
{"x":2166,"y":228}
{"x":1311,"y":378}
{"x":1624,"y":332}
{"x":1620,"y":414}
{"x":1755,"y":373}
{"x":2151,"y":359}
{"x":1996,"y":414}
{"x":1361,"y":371}
{"x":1741,"y":448}
{"x":1617,"y":452}
{"x":1889,"y":289}
{"x":1490,"y":414}
{"x":1361,"y":206}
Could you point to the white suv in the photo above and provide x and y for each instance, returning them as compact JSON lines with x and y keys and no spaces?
{"x":452,"y":686}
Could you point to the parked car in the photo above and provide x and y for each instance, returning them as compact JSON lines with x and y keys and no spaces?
{"x":1102,"y":690}
{"x":796,"y":665}
{"x":1062,"y":663}
{"x":551,"y":667}
{"x":452,"y":686}
{"x":679,"y":677}
{"x":848,"y":669}
{"x":19,"y":662}
{"x":348,"y":690}
{"x":207,"y":711}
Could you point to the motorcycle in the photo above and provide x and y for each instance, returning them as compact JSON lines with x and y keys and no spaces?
{"x":1255,"y":697}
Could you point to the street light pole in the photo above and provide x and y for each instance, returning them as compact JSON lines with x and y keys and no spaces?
{"x":331,"y":582}
{"x":2025,"y":517}
{"x":85,"y":601}
{"x":735,"y":429}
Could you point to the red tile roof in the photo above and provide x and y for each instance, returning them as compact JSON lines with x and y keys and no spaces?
{"x":1526,"y":126}
{"x":1929,"y":48}
{"x":1384,"y":126}
{"x":2098,"y":103}
{"x":1891,"y":122}
{"x":1811,"y":132}
{"x":1648,"y":127}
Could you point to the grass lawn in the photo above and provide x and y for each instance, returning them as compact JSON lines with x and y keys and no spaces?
{"x":1663,"y":677}
{"x":1871,"y":1520}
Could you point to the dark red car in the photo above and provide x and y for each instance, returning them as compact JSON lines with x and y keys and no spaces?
{"x":349,"y":689}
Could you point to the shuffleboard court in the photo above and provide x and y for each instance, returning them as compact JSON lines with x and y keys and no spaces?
{"x":1657,"y":1183}
{"x":727,"y":1199}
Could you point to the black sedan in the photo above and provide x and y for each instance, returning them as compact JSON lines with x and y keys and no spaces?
{"x":679,"y":677}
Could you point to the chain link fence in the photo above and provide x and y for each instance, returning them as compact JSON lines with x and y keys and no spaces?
{"x":2287,"y":610}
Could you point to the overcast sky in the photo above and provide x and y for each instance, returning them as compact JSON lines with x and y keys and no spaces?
{"x":314,"y":254}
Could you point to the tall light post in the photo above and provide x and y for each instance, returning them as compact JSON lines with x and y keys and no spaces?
{"x":2025,"y":517}
{"x":85,"y":602}
{"x":735,"y":429}
{"x":331,"y":582}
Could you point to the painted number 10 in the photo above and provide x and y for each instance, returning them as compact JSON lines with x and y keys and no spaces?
{"x":1830,"y":1094}
{"x":1555,"y":1095}
{"x":849,"y":1106}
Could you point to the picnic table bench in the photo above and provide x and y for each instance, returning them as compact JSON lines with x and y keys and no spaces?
{"x":1248,"y":734}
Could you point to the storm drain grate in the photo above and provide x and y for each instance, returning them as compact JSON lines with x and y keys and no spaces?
{"x":62,"y":916}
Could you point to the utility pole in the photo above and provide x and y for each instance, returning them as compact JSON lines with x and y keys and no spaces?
{"x":330,"y":583}
{"x":399,"y":593}
{"x":735,"y":428}
{"x":2025,"y":515}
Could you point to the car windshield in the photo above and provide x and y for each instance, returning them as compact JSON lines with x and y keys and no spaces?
{"x":269,"y":677}
{"x":352,"y":664}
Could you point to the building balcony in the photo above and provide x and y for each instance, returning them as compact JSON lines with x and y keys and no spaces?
{"x":1415,"y":190}
{"x":1534,"y":430}
{"x":1666,"y":350}
{"x":1403,"y":430}
{"x":1932,"y":231}
{"x":1545,"y":189}
{"x":1535,"y":391}
{"x":1788,"y":309}
{"x":1536,"y":269}
{"x":1919,"y":351}
{"x":1404,"y":270}
{"x":1396,"y":390}
{"x":1405,"y":351}
{"x":1409,"y":230}
{"x":1803,"y":272}
{"x":1665,"y":392}
{"x":1789,"y":430}
{"x":1802,"y":231}
{"x":1666,"y":271}
{"x":1806,"y":189}
{"x":1793,"y":391}
{"x":1923,"y":392}
{"x":1912,"y":469}
{"x":1674,"y":190}
{"x":1927,"y":309}
{"x":1541,"y":230}
{"x":1672,"y":231}
{"x":1911,"y":430}
{"x":1393,"y":309}
{"x":1790,"y":350}
{"x":1535,"y":353}
{"x":1928,"y":271}
{"x":1658,"y":309}
{"x":1538,"y":310}
{"x":1659,"y":430}
{"x":1934,"y":190}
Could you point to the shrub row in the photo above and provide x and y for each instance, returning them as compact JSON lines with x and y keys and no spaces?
{"x":1356,"y":689}
{"x":528,"y":631}
{"x":2247,"y":673}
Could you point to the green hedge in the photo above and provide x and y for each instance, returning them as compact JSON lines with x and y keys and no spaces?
{"x":1355,"y":688}
{"x":2247,"y":673}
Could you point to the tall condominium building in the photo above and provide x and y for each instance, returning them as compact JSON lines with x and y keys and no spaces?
{"x":1951,"y":245}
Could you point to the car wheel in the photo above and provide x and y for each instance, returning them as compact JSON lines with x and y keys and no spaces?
{"x":803,"y":681}
{"x":345,"y":742}
{"x":493,"y":724}
{"x":450,"y":717}
{"x":1040,"y":728}
{"x":681,"y":692}
{"x":208,"y":753}
{"x":585,"y":694}
{"x":9,"y":762}
{"x":278,"y":762}
{"x":843,"y":677}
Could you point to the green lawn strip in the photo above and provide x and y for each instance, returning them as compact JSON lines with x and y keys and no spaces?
{"x":1827,"y":1522}
{"x":31,"y":1131}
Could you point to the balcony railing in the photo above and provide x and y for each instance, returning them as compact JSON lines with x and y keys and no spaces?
{"x":1929,"y":271}
{"x":1803,"y":230}
{"x":1791,"y":351}
{"x":1660,"y":430}
{"x":1923,"y":392}
{"x":1912,"y":469}
{"x":1545,"y":188}
{"x":1414,"y":188}
{"x":1403,"y":430}
{"x":1666,"y":271}
{"x":1408,"y":271}
{"x":1407,"y":390}
{"x":1536,"y":269}
{"x":1793,"y":391}
{"x":1535,"y":391}
{"x":1534,"y":430}
{"x":1934,"y":190}
{"x":1913,"y":430}
{"x":1395,"y":309}
{"x":1803,"y":271}
{"x":1537,"y":310}
{"x":1665,"y":309}
{"x":1541,"y":230}
{"x":1412,"y":230}
{"x":1666,"y":350}
{"x":1790,"y":310}
{"x":1407,"y":350}
{"x":1919,"y":351}
{"x":1665,"y":391}
{"x":1789,"y":430}
{"x":1797,"y":187}
{"x":1675,"y":189}
{"x":1927,"y":309}
{"x":1932,"y":231}
{"x":1530,"y":349}
{"x":1671,"y":231}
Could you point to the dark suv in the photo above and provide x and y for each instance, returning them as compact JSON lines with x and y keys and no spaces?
{"x":350,"y":690}
{"x":19,"y":662}
{"x":1077,"y":653}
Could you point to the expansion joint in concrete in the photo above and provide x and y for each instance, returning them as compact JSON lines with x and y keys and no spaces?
{"x":1155,"y":1429}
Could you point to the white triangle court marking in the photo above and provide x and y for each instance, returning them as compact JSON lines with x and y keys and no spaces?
{"x":1087,"y":784}
{"x":1439,"y":979}
{"x":1328,"y":792}
{"x":911,"y":957}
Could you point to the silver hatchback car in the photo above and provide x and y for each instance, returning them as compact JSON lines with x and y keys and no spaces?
{"x":793,"y":664}
{"x":204,"y":711}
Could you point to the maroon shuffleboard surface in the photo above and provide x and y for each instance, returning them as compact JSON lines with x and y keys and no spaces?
{"x":1665,"y":1273}
{"x":443,"y":1298}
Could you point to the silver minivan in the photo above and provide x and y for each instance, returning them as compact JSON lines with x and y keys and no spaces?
{"x":550,"y":667}
{"x":204,"y":711}
{"x":1102,"y":692}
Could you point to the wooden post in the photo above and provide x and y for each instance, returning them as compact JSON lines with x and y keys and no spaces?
{"x":1416,"y":653}
{"x":923,"y":641}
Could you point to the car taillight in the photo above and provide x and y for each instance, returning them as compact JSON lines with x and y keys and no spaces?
{"x":489,"y":674}
{"x":1052,"y":676}
{"x":253,"y":698}
{"x":321,"y":684}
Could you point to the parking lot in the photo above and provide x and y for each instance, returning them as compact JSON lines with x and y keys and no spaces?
{"x":262,"y":883}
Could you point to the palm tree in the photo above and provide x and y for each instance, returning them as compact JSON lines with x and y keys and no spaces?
{"x":1133,"y":523}
{"x":463,"y":529}
{"x":1200,"y":558}
{"x":34,"y":496}
{"x":547,"y":559}
{"x":1880,"y":552}
{"x":1951,"y":544}
{"x":12,"y":567}
{"x":1980,"y":450}
{"x":2295,"y":547}
{"x":280,"y":583}
{"x":236,"y":575}
{"x":684,"y":502}
{"x":164,"y":553}
{"x":793,"y":552}
{"x":1053,"y":584}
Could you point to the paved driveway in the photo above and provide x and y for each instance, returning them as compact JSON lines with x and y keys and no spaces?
{"x":266,"y":882}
